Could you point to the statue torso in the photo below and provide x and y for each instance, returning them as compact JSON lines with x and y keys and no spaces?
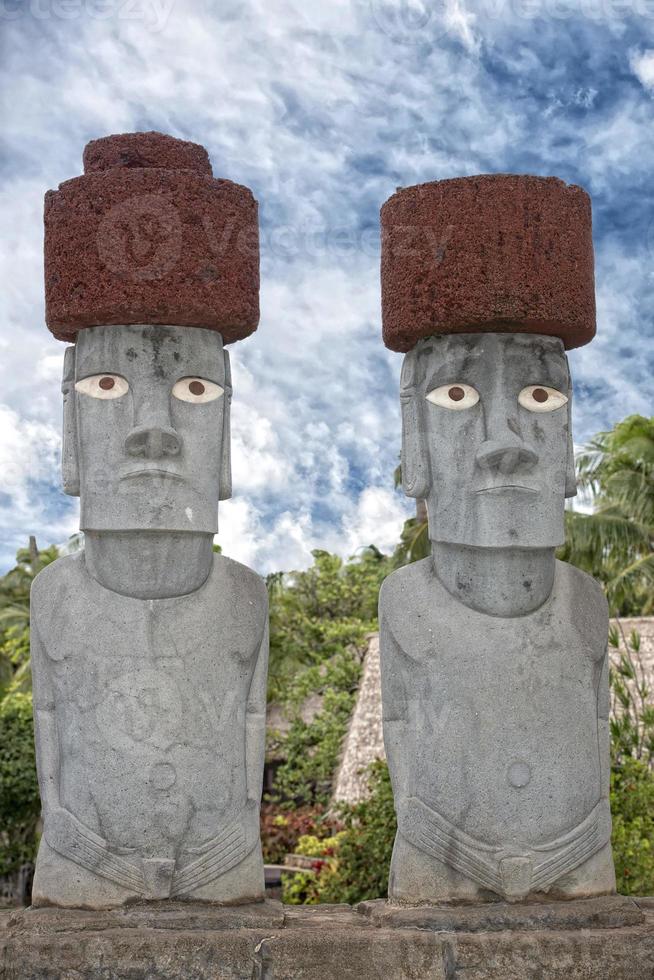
{"x":150,"y":699}
{"x":502,"y":714}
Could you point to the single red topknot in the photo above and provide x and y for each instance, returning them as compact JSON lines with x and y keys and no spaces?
{"x":497,"y":252}
{"x":147,"y":235}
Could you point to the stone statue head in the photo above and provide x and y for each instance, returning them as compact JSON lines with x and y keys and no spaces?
{"x":486,"y":282}
{"x":486,"y":438}
{"x":151,"y":265}
{"x":146,"y":427}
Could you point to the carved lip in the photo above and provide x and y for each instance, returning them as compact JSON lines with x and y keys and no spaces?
{"x":508,"y":486}
{"x":152,"y":471}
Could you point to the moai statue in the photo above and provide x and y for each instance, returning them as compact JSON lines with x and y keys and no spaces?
{"x":494,"y":654}
{"x":149,"y":651}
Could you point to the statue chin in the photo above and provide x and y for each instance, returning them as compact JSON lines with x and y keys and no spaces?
{"x":149,"y":564}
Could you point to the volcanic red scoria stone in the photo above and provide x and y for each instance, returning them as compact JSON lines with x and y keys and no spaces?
{"x":145,"y":150}
{"x":498,"y":252}
{"x":147,"y":235}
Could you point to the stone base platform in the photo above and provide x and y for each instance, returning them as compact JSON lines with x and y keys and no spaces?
{"x":596,"y":939}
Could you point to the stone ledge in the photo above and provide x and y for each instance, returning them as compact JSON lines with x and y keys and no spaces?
{"x":269,"y":942}
{"x":610,"y":912}
{"x":184,"y":916}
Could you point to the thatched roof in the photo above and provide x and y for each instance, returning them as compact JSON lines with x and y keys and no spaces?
{"x":364,"y":742}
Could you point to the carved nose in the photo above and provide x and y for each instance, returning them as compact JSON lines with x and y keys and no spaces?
{"x":504,"y":457}
{"x":153,"y":442}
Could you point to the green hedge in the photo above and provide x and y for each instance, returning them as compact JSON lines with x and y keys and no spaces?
{"x":19,"y":792}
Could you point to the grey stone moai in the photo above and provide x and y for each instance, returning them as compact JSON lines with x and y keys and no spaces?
{"x":494,"y":654}
{"x":149,"y":652}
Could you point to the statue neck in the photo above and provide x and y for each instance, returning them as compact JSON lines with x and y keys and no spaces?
{"x":149,"y":564}
{"x":503,"y":582}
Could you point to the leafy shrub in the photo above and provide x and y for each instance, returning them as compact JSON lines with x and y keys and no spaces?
{"x":632,"y":777}
{"x":282,"y":829}
{"x":352,"y":865}
{"x":319,"y":620}
{"x":632,"y":805}
{"x":317,"y":613}
{"x":311,"y":748}
{"x":363,"y":857}
{"x":20,"y":806}
{"x":304,"y":888}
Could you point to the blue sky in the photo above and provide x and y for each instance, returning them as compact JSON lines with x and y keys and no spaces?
{"x":323,"y":109}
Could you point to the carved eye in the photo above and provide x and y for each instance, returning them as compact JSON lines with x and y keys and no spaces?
{"x":105,"y":386}
{"x":539,"y":398}
{"x":456,"y":396}
{"x":196,"y":390}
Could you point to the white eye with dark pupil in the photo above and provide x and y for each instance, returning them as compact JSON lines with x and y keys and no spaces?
{"x":456,"y":396}
{"x":196,"y":390}
{"x":103,"y":386}
{"x":540,"y":398}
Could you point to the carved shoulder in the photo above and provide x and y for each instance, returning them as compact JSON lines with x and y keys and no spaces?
{"x":403,"y":599}
{"x":52,"y":588}
{"x":240,"y":592}
{"x":589,"y":611}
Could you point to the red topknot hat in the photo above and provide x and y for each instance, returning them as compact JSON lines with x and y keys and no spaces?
{"x":498,"y":252}
{"x":148,"y":236}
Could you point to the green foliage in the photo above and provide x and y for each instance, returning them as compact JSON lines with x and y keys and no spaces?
{"x":303,"y":888}
{"x":364,"y":850}
{"x":632,"y":806}
{"x":632,"y":774}
{"x":632,"y":710}
{"x":615,"y":543}
{"x":351,"y":865}
{"x":414,"y":541}
{"x":15,"y":617}
{"x":281,"y":831}
{"x":20,"y":806}
{"x":319,"y":620}
{"x":317,"y":613}
{"x":311,"y":748}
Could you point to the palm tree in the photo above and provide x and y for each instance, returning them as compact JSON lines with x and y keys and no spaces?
{"x":615,"y":543}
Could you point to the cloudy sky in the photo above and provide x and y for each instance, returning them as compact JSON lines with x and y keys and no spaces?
{"x":323,"y":109}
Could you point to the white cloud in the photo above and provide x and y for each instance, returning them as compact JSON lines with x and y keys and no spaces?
{"x":377,"y":519}
{"x":29,"y":472}
{"x":323,"y":110}
{"x":642,"y":65}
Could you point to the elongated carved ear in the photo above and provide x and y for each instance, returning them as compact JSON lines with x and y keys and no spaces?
{"x":416,"y":477}
{"x":226,"y":460}
{"x":69,"y":458}
{"x":570,"y":471}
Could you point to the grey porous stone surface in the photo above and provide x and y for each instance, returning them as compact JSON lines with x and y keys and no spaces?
{"x":149,"y":652}
{"x":168,"y":941}
{"x":493,"y":654}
